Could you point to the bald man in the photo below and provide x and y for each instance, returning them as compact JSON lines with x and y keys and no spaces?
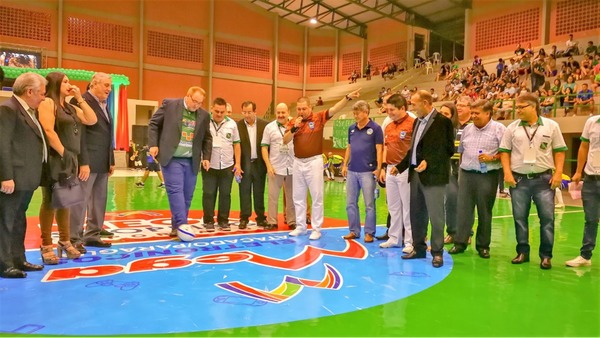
{"x":279,"y":159}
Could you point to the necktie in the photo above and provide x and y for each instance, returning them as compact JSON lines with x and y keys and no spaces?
{"x":33,"y":114}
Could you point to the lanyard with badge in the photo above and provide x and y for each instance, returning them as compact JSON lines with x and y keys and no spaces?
{"x":529,"y":153}
{"x":217,"y":139}
{"x":283,"y":148}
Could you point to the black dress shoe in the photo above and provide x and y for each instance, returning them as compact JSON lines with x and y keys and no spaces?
{"x":521,"y":258}
{"x":484,"y":253}
{"x":106,"y":233}
{"x":79,"y":246}
{"x":173,"y":233}
{"x":546,"y":264}
{"x":456,"y":250}
{"x":271,"y":227}
{"x":102,"y":244}
{"x":415,"y":254}
{"x":13,"y":273}
{"x":263,"y":224}
{"x":437,"y":262}
{"x":243,"y":224}
{"x":30,"y":267}
{"x":383,"y":237}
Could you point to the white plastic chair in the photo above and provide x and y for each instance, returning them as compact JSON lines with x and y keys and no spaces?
{"x":437,"y":58}
{"x":428,"y":67}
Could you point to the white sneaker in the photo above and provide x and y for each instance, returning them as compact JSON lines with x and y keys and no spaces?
{"x":388,"y":244}
{"x":408,"y":248}
{"x":314,"y":235}
{"x":579,"y":261}
{"x":297,"y":232}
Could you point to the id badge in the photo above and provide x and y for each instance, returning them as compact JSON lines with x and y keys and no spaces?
{"x":596,"y":159}
{"x":217,"y":142}
{"x":529,"y":156}
{"x":284,"y":149}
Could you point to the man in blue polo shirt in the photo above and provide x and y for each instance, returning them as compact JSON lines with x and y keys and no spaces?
{"x":362,"y":165}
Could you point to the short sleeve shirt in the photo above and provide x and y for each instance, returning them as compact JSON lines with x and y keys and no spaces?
{"x":224,"y":135}
{"x":546,"y":138}
{"x":486,"y":139}
{"x":398,"y":135}
{"x":281,"y":155}
{"x":363,"y":142}
{"x":308,"y":140}
{"x":591,"y":134}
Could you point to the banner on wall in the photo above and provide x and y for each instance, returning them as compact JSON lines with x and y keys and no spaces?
{"x":340,"y":133}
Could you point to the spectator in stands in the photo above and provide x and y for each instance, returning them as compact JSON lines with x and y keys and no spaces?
{"x":584,"y":100}
{"x":537,"y":74}
{"x":591,"y":50}
{"x":572,"y":47}
{"x":524,"y":68}
{"x":570,"y":84}
{"x":556,"y":86}
{"x":354,"y":76}
{"x":477,"y":61}
{"x":405,"y":93}
{"x":519,"y":51}
{"x":551,"y":66}
{"x":568,"y":100}
{"x":444,"y":71}
{"x":509,"y":91}
{"x":548,"y":104}
{"x":586,"y":66}
{"x":499,"y":67}
{"x":596,"y":73}
{"x":529,"y":50}
{"x":434,"y":95}
{"x":577,"y":74}
{"x":541,"y":54}
{"x":368,"y":71}
{"x":572,"y":63}
{"x":319,"y":101}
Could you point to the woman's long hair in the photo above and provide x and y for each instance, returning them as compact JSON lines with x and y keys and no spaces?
{"x":453,"y":112}
{"x":53,"y":87}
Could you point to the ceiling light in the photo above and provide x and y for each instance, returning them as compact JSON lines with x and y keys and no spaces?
{"x":313,"y":21}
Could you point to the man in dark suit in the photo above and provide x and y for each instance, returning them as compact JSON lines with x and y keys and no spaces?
{"x":179,"y":138}
{"x":23,"y":151}
{"x":428,"y":161}
{"x":254,"y":169}
{"x":96,"y":164}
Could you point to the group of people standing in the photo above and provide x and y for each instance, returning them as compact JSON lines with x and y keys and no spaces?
{"x":48,"y":140}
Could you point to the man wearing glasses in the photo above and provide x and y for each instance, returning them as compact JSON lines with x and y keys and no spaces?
{"x":532,"y":154}
{"x":179,"y":138}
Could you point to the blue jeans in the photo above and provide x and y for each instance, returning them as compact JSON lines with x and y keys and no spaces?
{"x":355,"y":182}
{"x":180,"y":183}
{"x":590,"y":193}
{"x":538,"y":190}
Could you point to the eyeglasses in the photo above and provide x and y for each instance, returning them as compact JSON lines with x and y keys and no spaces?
{"x":523,"y":107}
{"x":195,"y":101}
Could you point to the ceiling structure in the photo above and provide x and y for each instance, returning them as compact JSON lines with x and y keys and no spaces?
{"x":445,"y":18}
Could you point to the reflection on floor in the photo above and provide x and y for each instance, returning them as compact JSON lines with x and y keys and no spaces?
{"x":252,"y":282}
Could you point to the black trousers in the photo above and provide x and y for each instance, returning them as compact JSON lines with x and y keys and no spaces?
{"x":13,"y":225}
{"x":252,"y":187}
{"x":475,"y":190}
{"x":217,"y":181}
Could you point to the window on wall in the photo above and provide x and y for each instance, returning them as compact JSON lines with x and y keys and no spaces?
{"x":177,"y":47}
{"x":101,"y":35}
{"x":244,"y":57}
{"x":289,"y":64}
{"x":510,"y":29}
{"x":393,"y":53}
{"x":350,"y":63}
{"x":24,"y":24}
{"x":321,"y":66}
{"x":577,"y":15}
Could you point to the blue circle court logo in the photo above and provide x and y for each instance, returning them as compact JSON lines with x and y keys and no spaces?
{"x":219,"y":282}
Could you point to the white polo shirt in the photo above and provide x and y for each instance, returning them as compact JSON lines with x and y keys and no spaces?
{"x":591,"y":134}
{"x":224,"y":135}
{"x":281,"y":155}
{"x":535,"y":156}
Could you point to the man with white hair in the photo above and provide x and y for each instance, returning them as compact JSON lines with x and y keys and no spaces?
{"x":24,"y":150}
{"x":96,"y":164}
{"x":279,"y":159}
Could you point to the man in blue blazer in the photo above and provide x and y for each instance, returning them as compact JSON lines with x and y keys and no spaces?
{"x":22,"y":155}
{"x":96,"y":164}
{"x":179,"y":138}
{"x":428,"y":162}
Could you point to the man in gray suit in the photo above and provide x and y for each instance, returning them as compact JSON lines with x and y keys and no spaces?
{"x":179,"y":138}
{"x":22,"y":155}
{"x":96,"y":164}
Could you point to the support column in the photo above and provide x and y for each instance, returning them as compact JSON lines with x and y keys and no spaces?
{"x":211,"y":45}
{"x":59,"y":38}
{"x":468,"y":36}
{"x":275,"y":63}
{"x":336,"y":57}
{"x":545,"y":26}
{"x":141,"y":54}
{"x":305,"y":57}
